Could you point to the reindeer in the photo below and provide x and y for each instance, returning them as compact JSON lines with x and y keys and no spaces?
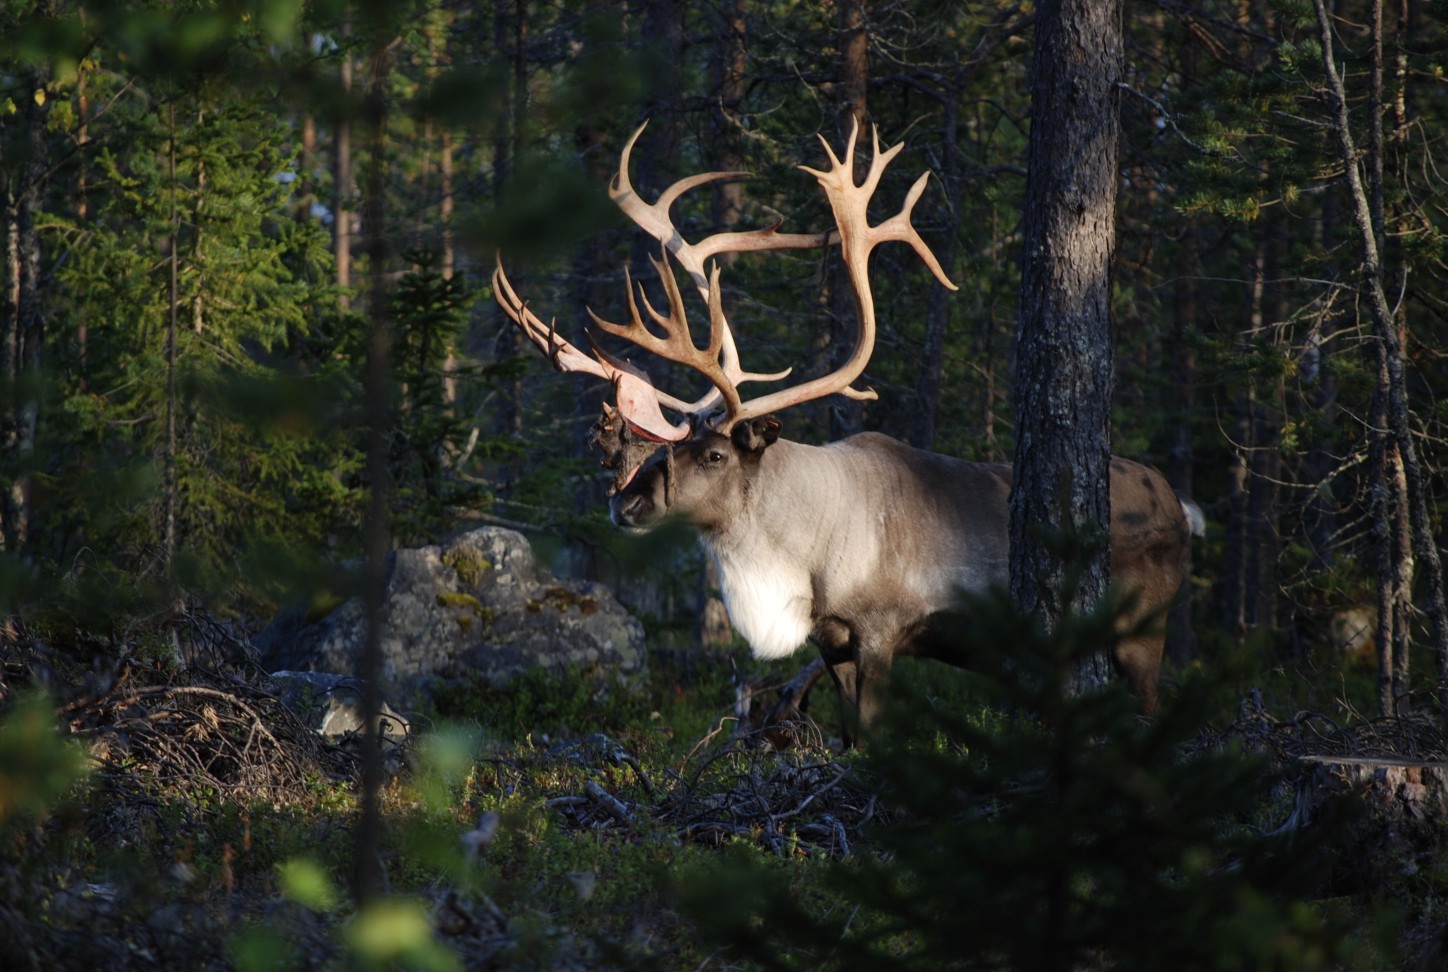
{"x":864,"y":546}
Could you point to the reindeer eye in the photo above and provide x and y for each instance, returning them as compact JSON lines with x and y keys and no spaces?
{"x":715,"y":457}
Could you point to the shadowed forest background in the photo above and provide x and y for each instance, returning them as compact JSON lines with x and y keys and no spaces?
{"x":204,"y":204}
{"x":214,"y":211}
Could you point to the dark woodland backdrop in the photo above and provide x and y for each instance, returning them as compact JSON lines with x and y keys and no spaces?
{"x":208,"y":205}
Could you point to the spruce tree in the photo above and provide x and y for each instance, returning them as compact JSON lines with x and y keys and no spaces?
{"x":192,"y":283}
{"x":1041,"y":828}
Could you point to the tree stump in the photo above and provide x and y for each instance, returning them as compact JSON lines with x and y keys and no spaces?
{"x":1387,"y":814}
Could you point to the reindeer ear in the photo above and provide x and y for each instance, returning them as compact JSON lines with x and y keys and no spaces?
{"x":756,"y":434}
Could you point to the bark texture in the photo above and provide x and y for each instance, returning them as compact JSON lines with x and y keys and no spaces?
{"x":1064,"y":356}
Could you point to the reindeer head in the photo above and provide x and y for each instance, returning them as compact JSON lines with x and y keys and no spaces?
{"x":717,"y":440}
{"x":704,"y":477}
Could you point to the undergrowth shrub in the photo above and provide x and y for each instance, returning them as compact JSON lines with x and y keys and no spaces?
{"x":557,"y":701}
{"x":1059,"y":832}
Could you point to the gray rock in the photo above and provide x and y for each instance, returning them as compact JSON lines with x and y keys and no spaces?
{"x":478,"y":604}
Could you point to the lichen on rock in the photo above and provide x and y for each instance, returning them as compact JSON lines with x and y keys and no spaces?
{"x":479,"y":604}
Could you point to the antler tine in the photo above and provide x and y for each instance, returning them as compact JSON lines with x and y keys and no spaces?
{"x":676,"y":311}
{"x":718,"y":360}
{"x":654,"y":218}
{"x":849,"y":203}
{"x":561,"y":354}
{"x":858,"y":238}
{"x":677,"y":343}
{"x":637,"y":398}
{"x":681,"y":337}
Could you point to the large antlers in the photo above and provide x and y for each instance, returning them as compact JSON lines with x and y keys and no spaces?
{"x":857,"y":239}
{"x":638,"y":401}
{"x":634,"y":394}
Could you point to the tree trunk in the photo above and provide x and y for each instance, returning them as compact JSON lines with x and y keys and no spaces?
{"x":1064,"y":356}
{"x":1180,"y":471}
{"x":441,"y":57}
{"x":1392,"y":529}
{"x":446,"y":208}
{"x":82,"y":203}
{"x":1264,"y":495}
{"x":24,"y":319}
{"x":342,"y":188}
{"x":1249,"y":587}
{"x":510,"y":35}
{"x":937,"y":310}
{"x":1402,"y":634}
{"x":1393,"y":561}
{"x":1320,"y":386}
{"x":1385,"y":331}
{"x":169,"y":498}
{"x":730,"y":62}
{"x":307,"y":163}
{"x":1235,"y":583}
{"x":367,"y":877}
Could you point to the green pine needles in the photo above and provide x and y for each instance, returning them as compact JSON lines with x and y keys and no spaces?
{"x":1036,"y":830}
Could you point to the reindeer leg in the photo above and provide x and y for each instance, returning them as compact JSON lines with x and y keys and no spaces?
{"x":838,"y":654}
{"x":845,"y":674}
{"x":872,"y":683}
{"x":861,"y":672}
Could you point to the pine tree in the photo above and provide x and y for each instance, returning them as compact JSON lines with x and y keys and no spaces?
{"x":1040,"y":828}
{"x":429,"y":436}
{"x":192,"y":283}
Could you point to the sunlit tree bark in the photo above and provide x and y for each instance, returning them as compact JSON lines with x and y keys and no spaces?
{"x":22,"y":330}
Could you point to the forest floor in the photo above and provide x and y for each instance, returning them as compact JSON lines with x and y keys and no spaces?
{"x":207,"y":827}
